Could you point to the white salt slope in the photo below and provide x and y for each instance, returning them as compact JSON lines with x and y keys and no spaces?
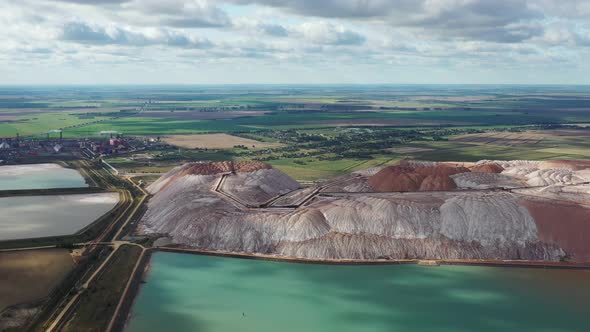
{"x":413,"y":225}
{"x":537,"y":173}
{"x":259,"y":186}
{"x":513,"y":163}
{"x":353,"y":246}
{"x":369,"y":171}
{"x":488,"y":219}
{"x":575,"y":193}
{"x":474,"y":180}
{"x":298,"y":225}
{"x":183,"y":201}
{"x":164,"y":179}
{"x":381,"y":216}
{"x":545,"y":177}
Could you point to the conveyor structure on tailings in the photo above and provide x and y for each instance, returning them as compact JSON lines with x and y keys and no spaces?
{"x":274,"y":203}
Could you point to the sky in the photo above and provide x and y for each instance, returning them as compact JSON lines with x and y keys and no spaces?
{"x":294,"y":41}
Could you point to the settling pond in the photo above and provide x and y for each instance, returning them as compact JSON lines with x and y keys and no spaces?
{"x":39,"y":176}
{"x":214,"y":294}
{"x":52,"y":215}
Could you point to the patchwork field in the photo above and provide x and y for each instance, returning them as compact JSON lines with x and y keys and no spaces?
{"x":524,"y":137}
{"x":196,"y":115}
{"x":216,"y":141}
{"x":408,"y":149}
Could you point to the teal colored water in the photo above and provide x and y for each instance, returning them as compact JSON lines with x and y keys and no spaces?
{"x":39,"y":176}
{"x":202,"y":293}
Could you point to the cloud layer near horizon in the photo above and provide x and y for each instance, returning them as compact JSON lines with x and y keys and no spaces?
{"x":294,"y":41}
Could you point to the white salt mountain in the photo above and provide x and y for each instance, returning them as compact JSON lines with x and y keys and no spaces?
{"x":243,"y":208}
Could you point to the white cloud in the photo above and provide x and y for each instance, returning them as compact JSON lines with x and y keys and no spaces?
{"x":85,"y":34}
{"x":321,"y":32}
{"x":437,"y":36}
{"x":180,"y":13}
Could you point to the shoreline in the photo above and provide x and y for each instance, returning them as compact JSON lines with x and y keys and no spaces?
{"x":497,"y":263}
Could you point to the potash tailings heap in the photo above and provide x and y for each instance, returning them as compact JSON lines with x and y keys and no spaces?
{"x":494,"y":210}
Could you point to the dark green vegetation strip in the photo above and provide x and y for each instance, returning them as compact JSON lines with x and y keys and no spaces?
{"x":98,"y":303}
{"x":283,"y":120}
{"x":121,"y":319}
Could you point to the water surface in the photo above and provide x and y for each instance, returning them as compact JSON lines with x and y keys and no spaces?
{"x":213,"y":294}
{"x":52,"y":215}
{"x":39,"y":176}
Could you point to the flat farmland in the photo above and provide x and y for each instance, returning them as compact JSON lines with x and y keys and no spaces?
{"x":460,"y":151}
{"x":38,"y":123}
{"x":523,"y":137}
{"x":29,"y":276}
{"x":501,"y":138}
{"x":196,"y":115}
{"x":216,"y":141}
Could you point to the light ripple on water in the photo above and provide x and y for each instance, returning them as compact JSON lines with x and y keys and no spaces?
{"x":203,"y":293}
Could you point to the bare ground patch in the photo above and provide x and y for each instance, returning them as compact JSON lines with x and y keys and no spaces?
{"x":29,"y":276}
{"x":564,"y":224}
{"x":215,"y":141}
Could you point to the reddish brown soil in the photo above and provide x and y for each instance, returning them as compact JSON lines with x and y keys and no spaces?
{"x":566,"y":225}
{"x":487,"y":168}
{"x":574,"y":165}
{"x":437,"y":182}
{"x":405,"y":177}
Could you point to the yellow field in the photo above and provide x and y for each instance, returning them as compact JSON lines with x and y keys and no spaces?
{"x":215,"y":141}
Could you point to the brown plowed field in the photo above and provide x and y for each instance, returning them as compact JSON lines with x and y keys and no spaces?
{"x":216,"y":141}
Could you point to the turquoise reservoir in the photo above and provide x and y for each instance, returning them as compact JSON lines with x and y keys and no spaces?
{"x":202,"y":293}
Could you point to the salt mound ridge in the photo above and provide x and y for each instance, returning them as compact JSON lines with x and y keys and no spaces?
{"x":574,"y":165}
{"x":206,"y":168}
{"x":546,"y":173}
{"x":484,"y":181}
{"x":340,"y":225}
{"x":415,"y":176}
{"x":259,"y":186}
{"x":487,"y":219}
